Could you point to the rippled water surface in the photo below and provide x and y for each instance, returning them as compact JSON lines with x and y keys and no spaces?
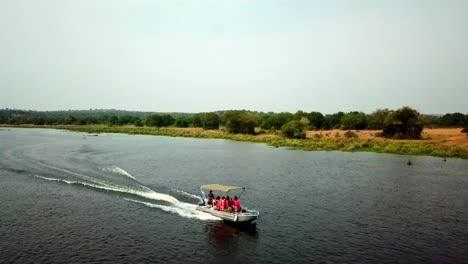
{"x":74,"y":197}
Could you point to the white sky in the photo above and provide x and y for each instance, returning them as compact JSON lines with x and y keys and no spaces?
{"x":204,"y":55}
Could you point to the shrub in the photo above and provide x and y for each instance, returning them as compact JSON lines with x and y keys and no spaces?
{"x":241,"y":122}
{"x":379,"y":134}
{"x":293,"y":129}
{"x":350,"y":134}
{"x":405,"y":123}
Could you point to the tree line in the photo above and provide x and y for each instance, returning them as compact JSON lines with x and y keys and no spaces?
{"x":402,"y":123}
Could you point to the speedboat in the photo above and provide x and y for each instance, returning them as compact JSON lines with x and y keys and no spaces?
{"x":245,"y":215}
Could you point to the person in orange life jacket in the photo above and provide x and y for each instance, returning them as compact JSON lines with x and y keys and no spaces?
{"x":236,"y":205}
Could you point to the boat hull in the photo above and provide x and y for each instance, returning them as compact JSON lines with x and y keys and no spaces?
{"x":247,"y":216}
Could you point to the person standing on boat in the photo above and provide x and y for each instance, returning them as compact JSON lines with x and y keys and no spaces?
{"x":210,"y":198}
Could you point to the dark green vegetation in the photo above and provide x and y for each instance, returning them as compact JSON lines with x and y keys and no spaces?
{"x":276,"y":129}
{"x":402,"y":123}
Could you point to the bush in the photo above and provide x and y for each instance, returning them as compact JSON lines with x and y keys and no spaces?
{"x":293,"y":129}
{"x":318,"y":135}
{"x":241,"y":122}
{"x":405,"y":123}
{"x":379,"y":134}
{"x":350,"y":134}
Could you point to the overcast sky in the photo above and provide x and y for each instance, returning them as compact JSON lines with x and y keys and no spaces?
{"x":203,"y":55}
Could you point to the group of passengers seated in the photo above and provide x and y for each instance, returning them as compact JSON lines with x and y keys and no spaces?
{"x":225,"y":204}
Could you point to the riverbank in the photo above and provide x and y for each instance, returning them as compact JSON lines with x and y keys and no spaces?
{"x":436,"y":142}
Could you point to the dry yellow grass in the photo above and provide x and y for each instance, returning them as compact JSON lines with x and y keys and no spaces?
{"x":451,"y":137}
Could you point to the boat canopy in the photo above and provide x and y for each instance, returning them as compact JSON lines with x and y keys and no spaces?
{"x":220,"y":187}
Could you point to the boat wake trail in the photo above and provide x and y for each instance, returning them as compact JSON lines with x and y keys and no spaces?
{"x":119,"y":171}
{"x":133,"y":188}
{"x":78,"y":167}
{"x":106,"y":183}
{"x":186,"y":194}
{"x":183,"y":209}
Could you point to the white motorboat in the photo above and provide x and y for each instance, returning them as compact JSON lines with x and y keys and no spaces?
{"x":245,"y":215}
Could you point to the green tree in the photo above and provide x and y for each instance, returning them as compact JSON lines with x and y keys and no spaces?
{"x":300,"y":114}
{"x":453,"y":120}
{"x":138,"y":122}
{"x":113,"y":120}
{"x":183,"y":121}
{"x":316,"y":120}
{"x":332,"y":121}
{"x":241,"y":122}
{"x":210,"y":121}
{"x":405,"y":123}
{"x":39,"y":121}
{"x":124,"y":120}
{"x":429,"y":120}
{"x":167,"y":120}
{"x":197,"y":120}
{"x":376,"y":120}
{"x":159,"y":120}
{"x":354,"y":120}
{"x":276,"y":121}
{"x":69,"y":119}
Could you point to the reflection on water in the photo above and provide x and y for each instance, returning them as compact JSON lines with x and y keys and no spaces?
{"x":222,"y":232}
{"x":231,"y":239}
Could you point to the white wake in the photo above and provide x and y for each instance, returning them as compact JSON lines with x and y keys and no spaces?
{"x":149,"y":194}
{"x":119,"y":171}
{"x":187,"y":194}
{"x":144,"y":191}
{"x":186,"y":210}
{"x":183,"y":209}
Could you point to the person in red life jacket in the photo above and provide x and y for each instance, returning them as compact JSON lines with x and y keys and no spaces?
{"x":221,"y":203}
{"x":226,"y":203}
{"x":216,"y":203}
{"x":236,"y":205}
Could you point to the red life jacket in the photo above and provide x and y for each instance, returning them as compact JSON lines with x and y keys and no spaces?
{"x":221,"y":205}
{"x":236,"y":204}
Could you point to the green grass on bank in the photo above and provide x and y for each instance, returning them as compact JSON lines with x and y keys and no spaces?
{"x":316,"y":144}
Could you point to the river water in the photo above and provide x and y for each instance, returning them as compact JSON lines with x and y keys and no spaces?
{"x":112,"y":198}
